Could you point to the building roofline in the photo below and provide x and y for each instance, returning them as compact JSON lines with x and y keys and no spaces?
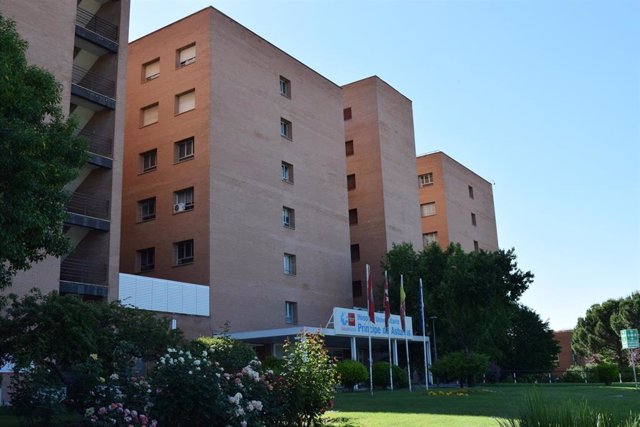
{"x":431,"y":153}
{"x":375,"y":76}
{"x":245,"y":28}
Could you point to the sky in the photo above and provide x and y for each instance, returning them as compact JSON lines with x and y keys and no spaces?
{"x":541,"y":98}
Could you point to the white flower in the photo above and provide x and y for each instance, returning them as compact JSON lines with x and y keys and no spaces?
{"x":190,"y":372}
{"x":114,"y":376}
{"x":197,"y":362}
{"x":162,"y":360}
{"x":204,"y":353}
{"x":181,"y":359}
{"x":197,"y":368}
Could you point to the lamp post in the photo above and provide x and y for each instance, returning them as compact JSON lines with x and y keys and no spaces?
{"x":433,"y":328}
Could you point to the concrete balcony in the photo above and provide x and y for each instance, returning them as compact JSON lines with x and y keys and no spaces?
{"x":93,"y":87}
{"x":84,"y":277}
{"x":98,"y":31}
{"x":100,"y":148}
{"x":89,"y":212}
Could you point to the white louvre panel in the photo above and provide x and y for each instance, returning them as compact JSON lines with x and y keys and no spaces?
{"x":166,"y":296}
{"x":152,"y":70}
{"x":187,"y":101}
{"x":187,"y":55}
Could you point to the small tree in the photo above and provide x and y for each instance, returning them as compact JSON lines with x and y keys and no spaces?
{"x":40,"y":154}
{"x":351,"y":373}
{"x":461,"y":367}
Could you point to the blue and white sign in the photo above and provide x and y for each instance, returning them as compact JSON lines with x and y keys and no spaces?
{"x":356,"y":323}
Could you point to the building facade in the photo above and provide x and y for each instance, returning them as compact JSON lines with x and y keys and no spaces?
{"x":380,"y":151}
{"x":84,"y":45}
{"x":234,"y":181}
{"x":456,"y":204}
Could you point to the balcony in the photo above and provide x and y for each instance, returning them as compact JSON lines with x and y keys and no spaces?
{"x":93,"y":87}
{"x":96,"y":30}
{"x":88,"y":211}
{"x":83,"y":277}
{"x":100,"y":148}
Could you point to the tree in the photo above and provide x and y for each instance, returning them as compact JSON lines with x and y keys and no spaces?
{"x":472,"y":294}
{"x":530,"y":343}
{"x":39,"y":156}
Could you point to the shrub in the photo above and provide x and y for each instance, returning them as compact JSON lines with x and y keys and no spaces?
{"x":351,"y":373}
{"x":461,"y":367}
{"x":37,"y":396}
{"x":273,"y":363}
{"x":575,"y":374}
{"x":231,"y":354}
{"x":381,"y":376}
{"x":605,"y":372}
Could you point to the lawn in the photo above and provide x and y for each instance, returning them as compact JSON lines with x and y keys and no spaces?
{"x":480,"y":408}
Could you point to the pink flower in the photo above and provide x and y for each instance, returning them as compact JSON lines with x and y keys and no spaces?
{"x":102,"y":410}
{"x":154,"y":423}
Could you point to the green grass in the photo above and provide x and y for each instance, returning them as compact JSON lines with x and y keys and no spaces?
{"x":481,"y":408}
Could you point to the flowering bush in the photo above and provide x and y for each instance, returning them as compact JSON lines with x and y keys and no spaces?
{"x":457,"y":392}
{"x":117,"y":415}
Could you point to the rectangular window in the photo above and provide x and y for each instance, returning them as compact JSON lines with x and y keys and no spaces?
{"x":149,"y":115}
{"x":428,"y":209}
{"x":183,"y":200}
{"x":355,"y":253}
{"x":426,"y":179}
{"x":286,"y":172}
{"x":429,"y":238}
{"x":149,"y":160}
{"x":185,"y":101}
{"x":348,"y":147}
{"x":184,"y":149}
{"x":351,"y":182}
{"x":289,"y":266}
{"x":147,"y":209}
{"x":151,"y":70}
{"x":476,"y":246}
{"x":285,"y":87}
{"x":286,"y":128}
{"x":184,"y":252}
{"x":470,"y":192}
{"x":288,"y":217}
{"x":473,"y":219}
{"x":353,"y":216}
{"x":146,"y":259}
{"x":356,"y":288}
{"x":186,"y":55}
{"x":290,"y":312}
{"x":347,"y":113}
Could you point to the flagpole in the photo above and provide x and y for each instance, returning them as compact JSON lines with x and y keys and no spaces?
{"x":386,"y":318}
{"x":424,"y":337}
{"x":406,"y":339}
{"x":369,"y":291}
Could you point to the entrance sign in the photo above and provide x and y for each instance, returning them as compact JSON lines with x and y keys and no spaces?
{"x":629,"y":338}
{"x":356,"y":323}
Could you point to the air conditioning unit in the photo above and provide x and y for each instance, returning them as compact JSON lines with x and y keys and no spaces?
{"x":179,"y":207}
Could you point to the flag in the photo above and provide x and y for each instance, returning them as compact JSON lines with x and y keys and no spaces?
{"x":403,"y":310}
{"x":370,"y":302}
{"x":387,"y":307}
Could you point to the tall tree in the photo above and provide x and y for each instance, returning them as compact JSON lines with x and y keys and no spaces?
{"x":39,"y":156}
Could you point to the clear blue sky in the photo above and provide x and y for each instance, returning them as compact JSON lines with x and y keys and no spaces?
{"x":540,"y":97}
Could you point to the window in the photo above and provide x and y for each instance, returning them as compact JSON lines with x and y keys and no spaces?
{"x":353,"y":216}
{"x":147,"y":209}
{"x":356,"y":288}
{"x":146,"y":259}
{"x":473,"y":219}
{"x":351,"y":182}
{"x":149,"y":160}
{"x":183,"y":200}
{"x":348,"y":147}
{"x":428,"y":209}
{"x":476,"y":246}
{"x":289,"y":264}
{"x":286,"y":128}
{"x":288,"y":217}
{"x":470,"y":192}
{"x":429,"y":238}
{"x":184,"y":252}
{"x":149,"y":115}
{"x":347,"y":113}
{"x":186,"y":55}
{"x":426,"y":179}
{"x":151,"y":70}
{"x":290,"y":312}
{"x":285,"y":87}
{"x":184,"y":150}
{"x":355,"y":253}
{"x":185,"y":101}
{"x":286,"y":172}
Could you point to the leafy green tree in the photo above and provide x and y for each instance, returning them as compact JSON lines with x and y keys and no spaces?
{"x":351,"y":373}
{"x":39,"y":156}
{"x":530,"y":343}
